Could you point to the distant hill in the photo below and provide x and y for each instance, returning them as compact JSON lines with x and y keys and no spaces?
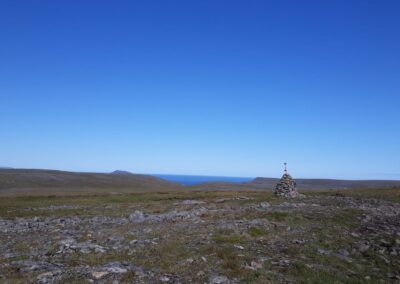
{"x":119,"y":172}
{"x":52,"y":181}
{"x":269,"y":183}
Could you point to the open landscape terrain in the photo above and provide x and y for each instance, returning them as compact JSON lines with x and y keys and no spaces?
{"x":340,"y":236}
{"x":38,"y":182}
{"x":204,"y":142}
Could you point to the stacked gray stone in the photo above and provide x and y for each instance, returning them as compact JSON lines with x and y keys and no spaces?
{"x":286,"y":187}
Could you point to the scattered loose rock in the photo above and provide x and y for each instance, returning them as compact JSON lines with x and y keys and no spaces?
{"x":99,"y":274}
{"x":189,"y":202}
{"x":202,"y":241}
{"x":219,"y":280}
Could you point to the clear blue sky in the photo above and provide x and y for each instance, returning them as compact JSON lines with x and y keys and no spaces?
{"x":202,"y":87}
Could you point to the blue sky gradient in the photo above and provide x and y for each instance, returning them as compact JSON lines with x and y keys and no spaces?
{"x":231,"y":88}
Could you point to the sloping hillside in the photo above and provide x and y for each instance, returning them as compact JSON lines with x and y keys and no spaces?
{"x":269,"y":183}
{"x":52,"y":181}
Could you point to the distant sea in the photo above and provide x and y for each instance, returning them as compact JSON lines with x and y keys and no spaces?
{"x":193,"y":180}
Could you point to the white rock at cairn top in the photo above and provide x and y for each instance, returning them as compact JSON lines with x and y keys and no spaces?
{"x":286,"y":187}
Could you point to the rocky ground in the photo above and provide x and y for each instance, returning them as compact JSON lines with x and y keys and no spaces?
{"x":204,"y":237}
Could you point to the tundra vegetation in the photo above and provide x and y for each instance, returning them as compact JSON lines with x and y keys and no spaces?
{"x":345,"y":236}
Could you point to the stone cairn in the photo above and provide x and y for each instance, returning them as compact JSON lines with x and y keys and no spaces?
{"x":286,"y":187}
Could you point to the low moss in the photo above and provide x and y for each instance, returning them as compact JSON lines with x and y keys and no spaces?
{"x":228,"y":237}
{"x":257,"y":232}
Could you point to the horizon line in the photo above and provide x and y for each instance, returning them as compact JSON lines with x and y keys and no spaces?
{"x":194,"y":175}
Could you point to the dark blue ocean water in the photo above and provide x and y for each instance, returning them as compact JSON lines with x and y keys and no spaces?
{"x":193,"y":180}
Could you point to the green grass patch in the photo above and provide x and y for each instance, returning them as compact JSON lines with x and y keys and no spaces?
{"x":278,"y":216}
{"x":257,"y":232}
{"x":228,"y":237}
{"x":227,"y":258}
{"x":389,"y":194}
{"x":302,"y":273}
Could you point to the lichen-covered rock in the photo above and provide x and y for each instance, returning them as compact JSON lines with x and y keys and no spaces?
{"x":171,"y":216}
{"x":137,"y":217}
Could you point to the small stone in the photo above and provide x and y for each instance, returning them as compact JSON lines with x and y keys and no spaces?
{"x":115,"y":267}
{"x":239,"y":247}
{"x":243,"y":198}
{"x":343,"y":252}
{"x":249,"y":267}
{"x":219,"y":280}
{"x":164,"y":278}
{"x":137,"y":217}
{"x":265,"y":258}
{"x":363,"y":248}
{"x":264,"y":205}
{"x":366,"y":218}
{"x":190,"y":202}
{"x":99,"y":274}
{"x":256,"y":265}
{"x":284,"y":262}
{"x":322,"y":251}
{"x":84,"y":250}
{"x":44,"y":277}
{"x":67,"y":242}
{"x":99,"y":249}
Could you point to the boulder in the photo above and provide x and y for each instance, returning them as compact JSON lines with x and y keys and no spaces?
{"x":137,"y":217}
